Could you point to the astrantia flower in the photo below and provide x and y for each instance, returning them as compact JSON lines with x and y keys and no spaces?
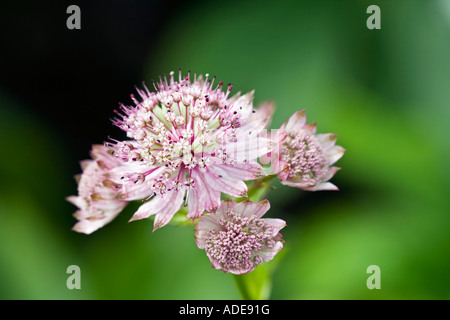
{"x":304,"y":159}
{"x":189,"y":142}
{"x":235,"y":237}
{"x":97,"y":195}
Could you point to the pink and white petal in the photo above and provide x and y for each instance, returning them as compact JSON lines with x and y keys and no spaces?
{"x":99,"y":151}
{"x":249,"y":171}
{"x":276,"y":224}
{"x":202,"y":197}
{"x":260,"y":118}
{"x":248,"y":208}
{"x":225,"y":183}
{"x":207,"y":223}
{"x":78,"y":201}
{"x":234,"y":97}
{"x":327,"y":140}
{"x":133,"y":191}
{"x":90,"y":225}
{"x":249,"y":146}
{"x":211,"y":195}
{"x":149,"y":208}
{"x":281,"y":168}
{"x":299,"y":185}
{"x":101,"y":154}
{"x":320,"y":187}
{"x":109,"y":206}
{"x":244,"y":105}
{"x":310,"y":128}
{"x":225,"y":205}
{"x":118,"y":172}
{"x":334,"y":154}
{"x":296,"y":121}
{"x":330,"y":173}
{"x":87,"y":226}
{"x":325,"y":186}
{"x":195,"y":207}
{"x":239,"y":271}
{"x":267,"y":254}
{"x":172,"y":205}
{"x":84,"y":164}
{"x":80,"y":214}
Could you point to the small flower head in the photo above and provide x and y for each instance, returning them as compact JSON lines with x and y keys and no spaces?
{"x":305,"y":158}
{"x":235,"y":237}
{"x":97,"y":195}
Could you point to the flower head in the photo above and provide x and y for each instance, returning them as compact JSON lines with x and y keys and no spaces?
{"x":189,"y":142}
{"x":304,"y":159}
{"x":97,"y":195}
{"x":235,"y":237}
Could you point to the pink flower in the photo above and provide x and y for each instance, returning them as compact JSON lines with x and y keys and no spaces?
{"x":97,"y":195}
{"x":189,"y":142}
{"x":235,"y":237}
{"x":303,"y":158}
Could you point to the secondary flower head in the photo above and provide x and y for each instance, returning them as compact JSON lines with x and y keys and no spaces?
{"x":304,"y":159}
{"x":97,"y":195}
{"x":235,"y":237}
{"x":189,"y":141}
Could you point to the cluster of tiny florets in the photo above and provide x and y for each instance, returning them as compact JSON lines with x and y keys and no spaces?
{"x":181,"y":126}
{"x":305,"y":157}
{"x":234,"y":246}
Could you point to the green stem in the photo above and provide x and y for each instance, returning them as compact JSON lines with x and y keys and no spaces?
{"x":242,"y":287}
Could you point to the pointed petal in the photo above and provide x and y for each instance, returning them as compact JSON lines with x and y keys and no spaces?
{"x":91,"y":224}
{"x":250,"y":171}
{"x":78,"y":201}
{"x":224,"y":206}
{"x":276,"y":224}
{"x":222,"y":182}
{"x":207,"y":223}
{"x":260,"y":118}
{"x":325,"y":186}
{"x":85,"y":163}
{"x":244,"y":105}
{"x":248,"y":208}
{"x":202,"y":197}
{"x":296,"y":121}
{"x":330,"y":173}
{"x":299,"y":185}
{"x":249,"y":146}
{"x":334,"y":154}
{"x":147,"y":209}
{"x":267,"y":254}
{"x":327,"y":140}
{"x":310,"y":128}
{"x":171,"y":206}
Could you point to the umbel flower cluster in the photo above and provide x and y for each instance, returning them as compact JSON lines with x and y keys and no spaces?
{"x":190,"y":143}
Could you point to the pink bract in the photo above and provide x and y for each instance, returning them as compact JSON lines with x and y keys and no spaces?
{"x":97,"y":195}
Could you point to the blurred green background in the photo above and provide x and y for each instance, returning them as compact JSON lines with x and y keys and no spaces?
{"x":385,"y":93}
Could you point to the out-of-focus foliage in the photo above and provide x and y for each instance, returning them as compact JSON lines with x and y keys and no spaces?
{"x":383,"y":92}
